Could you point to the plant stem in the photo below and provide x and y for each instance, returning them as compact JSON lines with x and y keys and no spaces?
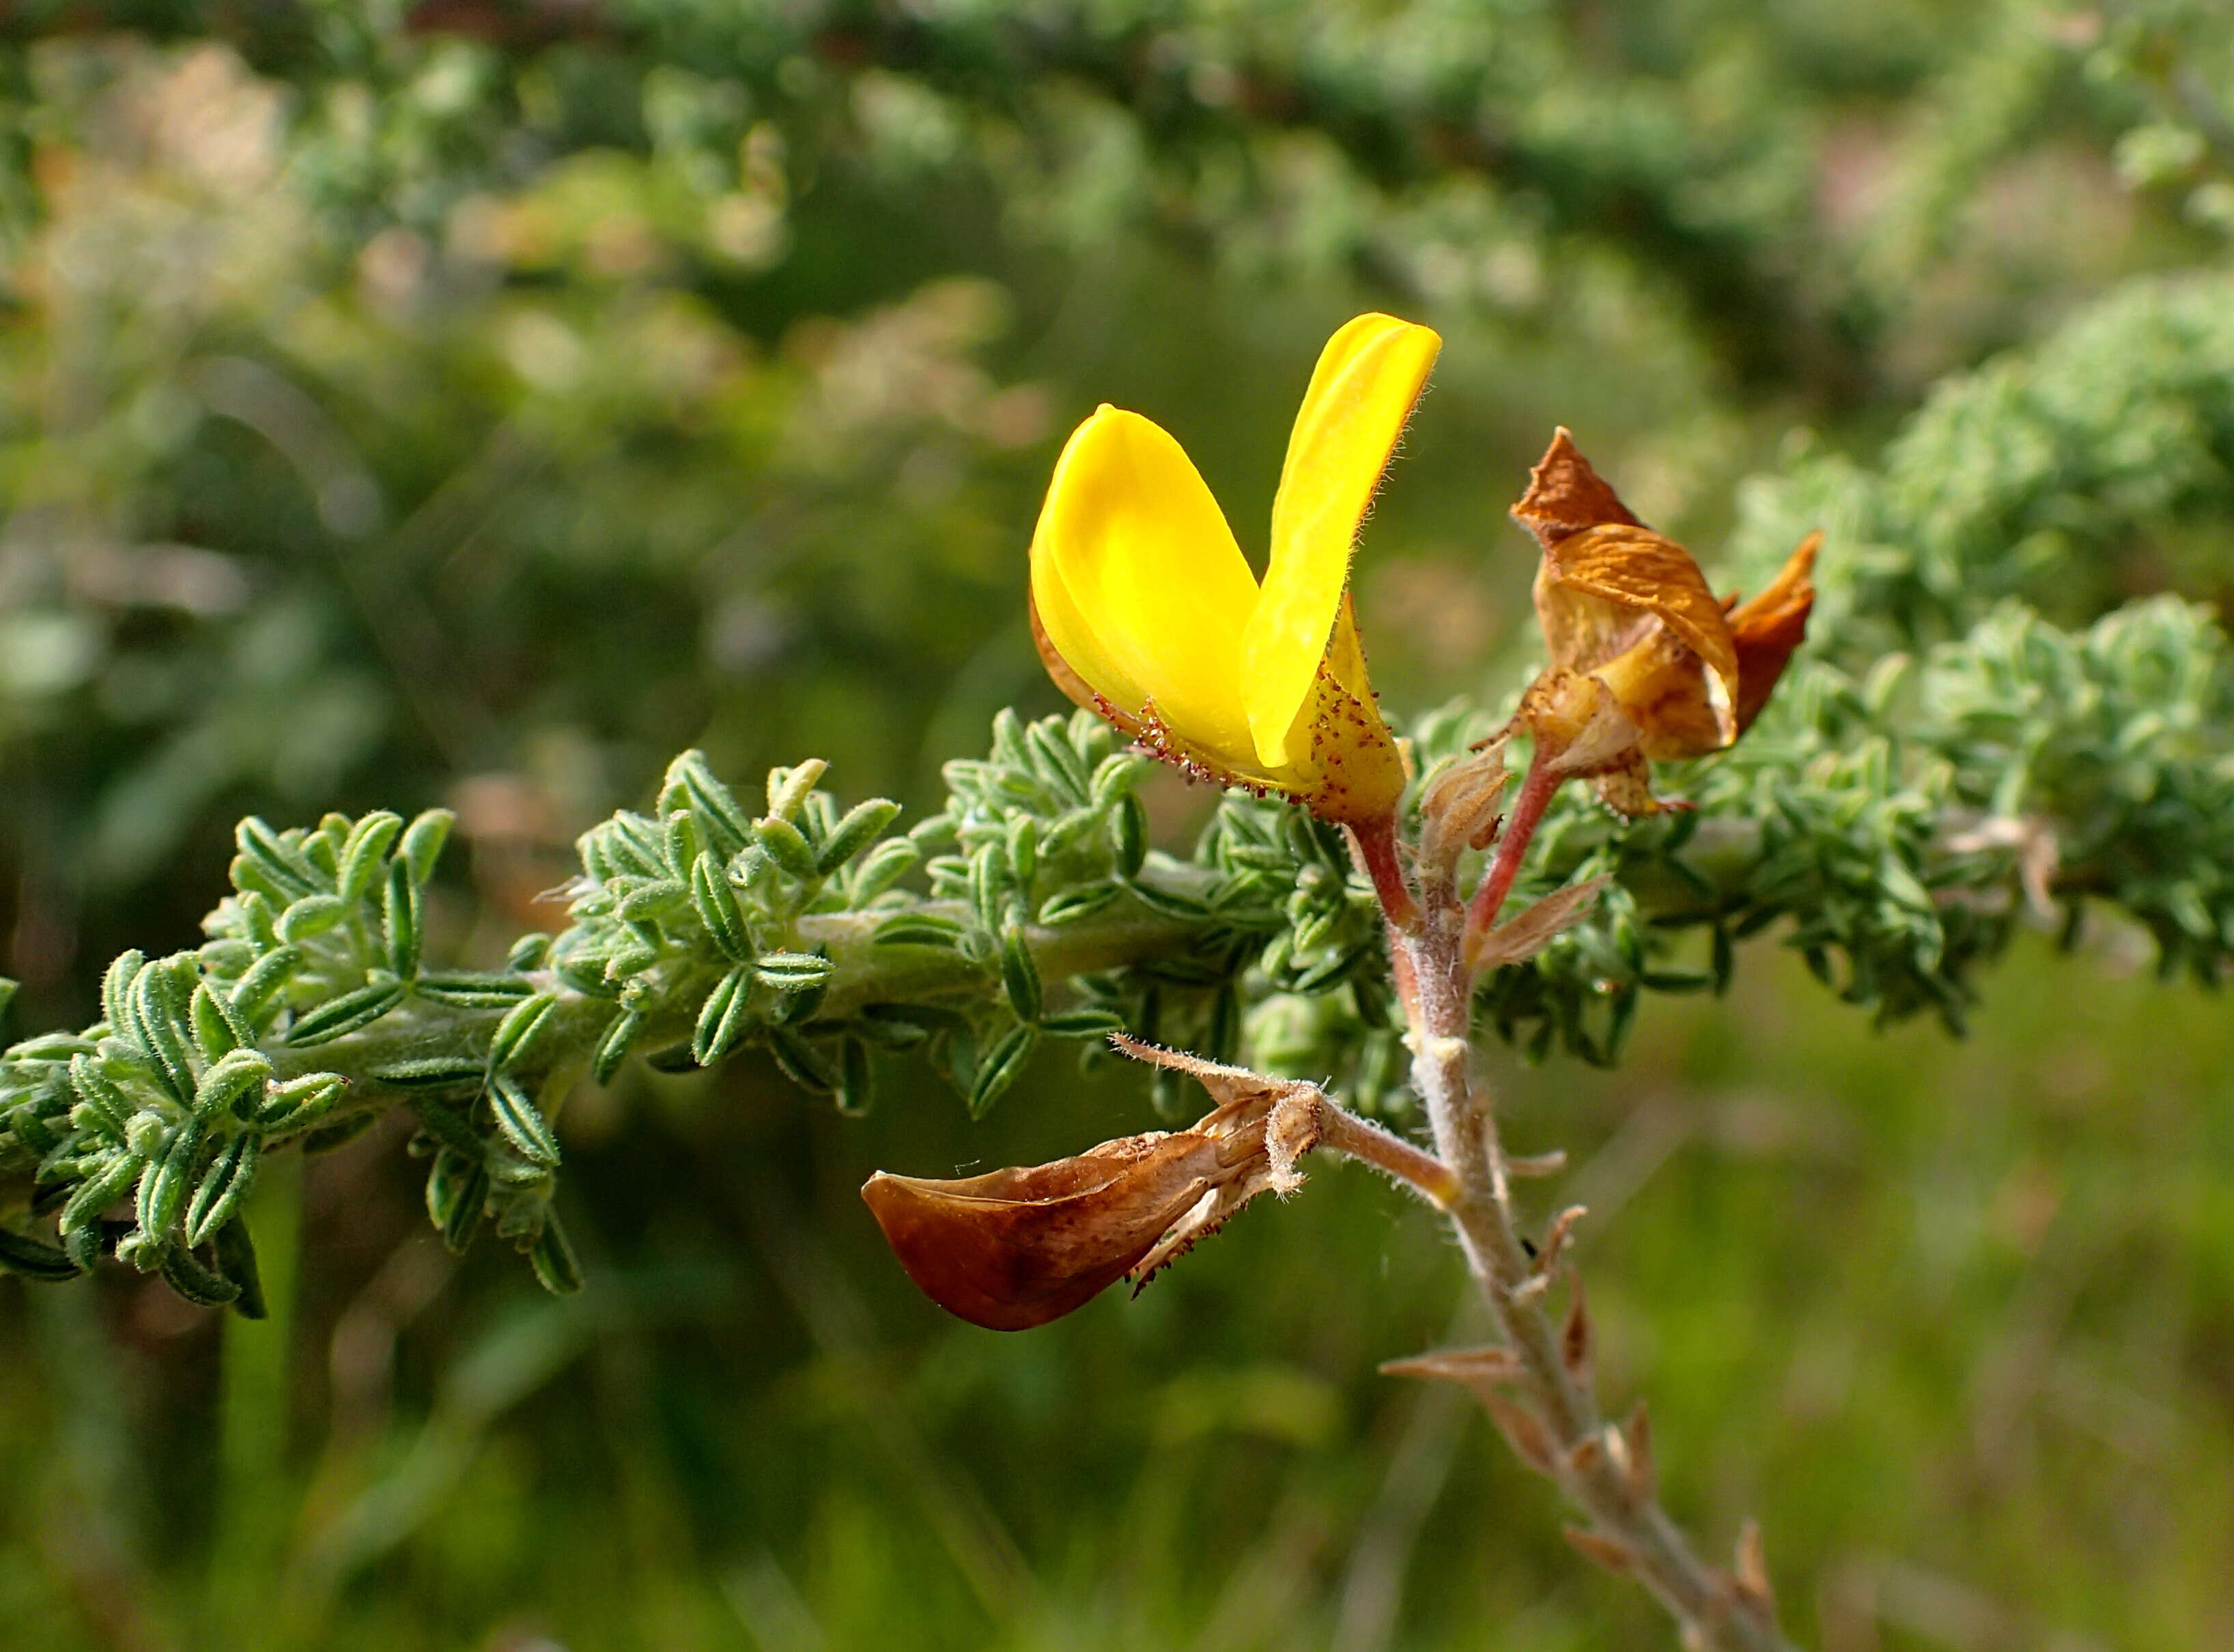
{"x":1343,"y":1131}
{"x":1536,"y":793}
{"x":1558,"y":1429}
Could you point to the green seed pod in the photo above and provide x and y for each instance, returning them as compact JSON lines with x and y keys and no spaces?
{"x":792,"y":971}
{"x":163,"y":1189}
{"x":988,"y":884}
{"x":882,"y":867}
{"x":446,"y":1126}
{"x":34,"y":1260}
{"x":684,"y":842}
{"x":1008,"y":740}
{"x":1114,"y":777}
{"x":1168,"y":902}
{"x":724,"y":818}
{"x":1083,"y":1023}
{"x":788,"y":848}
{"x":255,"y":993}
{"x":649,"y":903}
{"x":117,"y":987}
{"x":250,"y":878}
{"x":90,"y":1122}
{"x":919,"y":929}
{"x":204,"y":1287}
{"x":96,"y":1090}
{"x":1022,"y":844}
{"x":292,"y":876}
{"x":1055,"y":761}
{"x":157,"y":1013}
{"x":101,"y":1189}
{"x":301,"y":1102}
{"x":259,"y":917}
{"x":1082,"y":901}
{"x":789,"y":788}
{"x":476,"y":990}
{"x":430,"y":1073}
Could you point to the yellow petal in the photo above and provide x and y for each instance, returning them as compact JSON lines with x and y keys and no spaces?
{"x":1344,"y":764}
{"x":1138,"y":584}
{"x":1368,"y":378}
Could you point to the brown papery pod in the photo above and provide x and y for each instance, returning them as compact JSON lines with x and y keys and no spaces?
{"x":1017,"y":1248}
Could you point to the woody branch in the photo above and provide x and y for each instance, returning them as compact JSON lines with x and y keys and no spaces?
{"x":1538,"y":1383}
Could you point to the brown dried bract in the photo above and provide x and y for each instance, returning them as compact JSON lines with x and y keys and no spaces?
{"x":1768,"y":629}
{"x":1566,"y":495}
{"x":1599,"y":592}
{"x":1018,"y":1248}
{"x":1626,"y":610}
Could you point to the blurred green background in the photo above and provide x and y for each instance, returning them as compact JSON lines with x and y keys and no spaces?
{"x":475,"y":402}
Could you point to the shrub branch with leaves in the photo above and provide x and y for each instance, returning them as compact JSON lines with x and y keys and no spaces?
{"x":1900,"y":815}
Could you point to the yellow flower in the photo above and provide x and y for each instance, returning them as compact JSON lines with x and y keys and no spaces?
{"x":1146,"y":611}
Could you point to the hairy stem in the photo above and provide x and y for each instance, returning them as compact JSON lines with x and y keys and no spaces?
{"x":1536,"y":793}
{"x":1559,"y":1429}
{"x":1343,"y":1131}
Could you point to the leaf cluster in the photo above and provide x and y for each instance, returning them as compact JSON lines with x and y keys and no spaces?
{"x":1898,"y":824}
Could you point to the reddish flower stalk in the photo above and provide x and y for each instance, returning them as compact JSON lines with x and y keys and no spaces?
{"x":1537,"y":790}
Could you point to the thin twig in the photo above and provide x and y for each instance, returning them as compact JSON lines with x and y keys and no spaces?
{"x":1551,"y":1415}
{"x":1342,"y":1131}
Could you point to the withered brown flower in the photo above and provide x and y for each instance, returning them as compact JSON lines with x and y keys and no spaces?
{"x":1016,"y":1247}
{"x":1647,"y":663}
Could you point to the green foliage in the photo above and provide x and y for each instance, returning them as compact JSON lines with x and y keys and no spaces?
{"x":1899,"y":823}
{"x":2029,"y":478}
{"x":392,"y":396}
